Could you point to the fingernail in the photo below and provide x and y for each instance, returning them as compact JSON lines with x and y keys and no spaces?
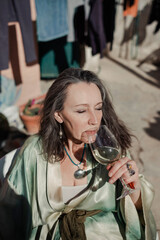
{"x":110,"y":174}
{"x":110,"y":181}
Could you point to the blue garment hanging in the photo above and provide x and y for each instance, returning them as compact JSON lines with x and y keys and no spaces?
{"x":52,"y":20}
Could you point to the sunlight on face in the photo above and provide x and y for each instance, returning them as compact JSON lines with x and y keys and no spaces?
{"x":82,"y":111}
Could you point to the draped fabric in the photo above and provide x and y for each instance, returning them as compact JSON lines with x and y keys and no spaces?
{"x":57,"y":55}
{"x":96,"y":34}
{"x":31,"y":203}
{"x":109,"y":13}
{"x":131,"y":8}
{"x":11,"y":11}
{"x":129,"y":3}
{"x":51,"y":19}
{"x":155,"y":14}
{"x":72,"y":224}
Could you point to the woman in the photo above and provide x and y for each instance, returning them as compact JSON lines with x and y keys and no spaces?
{"x":48,"y":202}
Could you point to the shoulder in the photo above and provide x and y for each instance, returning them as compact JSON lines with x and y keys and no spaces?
{"x":25,"y":164}
{"x":31,"y":146}
{"x":31,"y":142}
{"x":30,"y":152}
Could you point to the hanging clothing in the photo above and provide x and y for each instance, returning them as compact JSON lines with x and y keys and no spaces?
{"x":72,"y":7}
{"x":127,"y":3}
{"x":8,"y":94}
{"x":130,"y":8}
{"x":11,"y":11}
{"x":96,"y":36}
{"x":79,"y":24}
{"x":32,"y":206}
{"x":155,"y":14}
{"x":52,"y":22}
{"x":78,"y":12}
{"x":57,"y":55}
{"x":109,"y":12}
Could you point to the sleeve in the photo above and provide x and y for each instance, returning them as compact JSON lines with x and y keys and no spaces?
{"x":16,"y":196}
{"x":140,"y":223}
{"x":147,"y":195}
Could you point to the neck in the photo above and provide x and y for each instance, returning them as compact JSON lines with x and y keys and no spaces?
{"x":76,"y":153}
{"x":72,"y":147}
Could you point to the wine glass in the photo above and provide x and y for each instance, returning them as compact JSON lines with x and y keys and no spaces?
{"x":106,"y":150}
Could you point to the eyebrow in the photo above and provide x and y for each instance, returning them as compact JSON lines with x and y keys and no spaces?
{"x":85,"y":105}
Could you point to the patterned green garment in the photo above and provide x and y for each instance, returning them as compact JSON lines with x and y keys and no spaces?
{"x":31,"y":202}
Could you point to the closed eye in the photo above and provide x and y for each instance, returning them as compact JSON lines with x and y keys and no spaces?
{"x":81,"y":111}
{"x":99,"y":109}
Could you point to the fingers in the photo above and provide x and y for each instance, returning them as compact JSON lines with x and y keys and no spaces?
{"x":130,"y":169}
{"x":125,"y":168}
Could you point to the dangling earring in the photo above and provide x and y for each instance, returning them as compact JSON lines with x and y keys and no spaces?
{"x":60,"y":132}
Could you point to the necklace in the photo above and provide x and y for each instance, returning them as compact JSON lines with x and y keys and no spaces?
{"x":79,"y":173}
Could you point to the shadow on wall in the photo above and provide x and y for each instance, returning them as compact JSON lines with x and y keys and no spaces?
{"x":154,"y":128}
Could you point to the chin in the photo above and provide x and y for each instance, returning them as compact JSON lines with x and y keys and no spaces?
{"x":85,"y":139}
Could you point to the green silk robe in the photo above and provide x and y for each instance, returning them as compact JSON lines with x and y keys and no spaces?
{"x":31,"y":201}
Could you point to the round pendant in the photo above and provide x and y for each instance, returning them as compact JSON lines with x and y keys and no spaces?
{"x":80,"y":173}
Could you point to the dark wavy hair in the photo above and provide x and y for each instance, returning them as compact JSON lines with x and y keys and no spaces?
{"x":52,"y":140}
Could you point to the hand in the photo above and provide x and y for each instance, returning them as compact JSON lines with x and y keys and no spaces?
{"x":119,"y":169}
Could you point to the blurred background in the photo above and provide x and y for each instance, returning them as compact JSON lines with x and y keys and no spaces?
{"x":118,"y":40}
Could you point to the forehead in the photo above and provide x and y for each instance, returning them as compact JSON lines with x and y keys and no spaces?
{"x":81,"y":93}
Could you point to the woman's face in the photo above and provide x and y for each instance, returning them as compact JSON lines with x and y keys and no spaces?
{"x":82,"y":112}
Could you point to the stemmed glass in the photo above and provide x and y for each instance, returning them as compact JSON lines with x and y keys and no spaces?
{"x":106,"y":150}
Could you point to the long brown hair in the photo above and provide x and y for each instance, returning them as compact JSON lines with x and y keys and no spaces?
{"x":52,"y":140}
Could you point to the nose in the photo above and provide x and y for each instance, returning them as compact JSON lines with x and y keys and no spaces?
{"x":92,"y":118}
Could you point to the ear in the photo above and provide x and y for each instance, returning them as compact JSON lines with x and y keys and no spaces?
{"x":58,"y":117}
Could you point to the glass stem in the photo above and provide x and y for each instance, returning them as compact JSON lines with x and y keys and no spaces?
{"x":123,"y":182}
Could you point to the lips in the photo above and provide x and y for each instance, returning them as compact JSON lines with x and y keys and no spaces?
{"x":91,"y":132}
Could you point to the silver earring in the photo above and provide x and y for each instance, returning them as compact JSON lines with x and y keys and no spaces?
{"x":60,"y":132}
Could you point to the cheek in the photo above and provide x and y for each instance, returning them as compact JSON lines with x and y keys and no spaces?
{"x":74,"y":126}
{"x":76,"y":131}
{"x":78,"y":127}
{"x":99,"y":117}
